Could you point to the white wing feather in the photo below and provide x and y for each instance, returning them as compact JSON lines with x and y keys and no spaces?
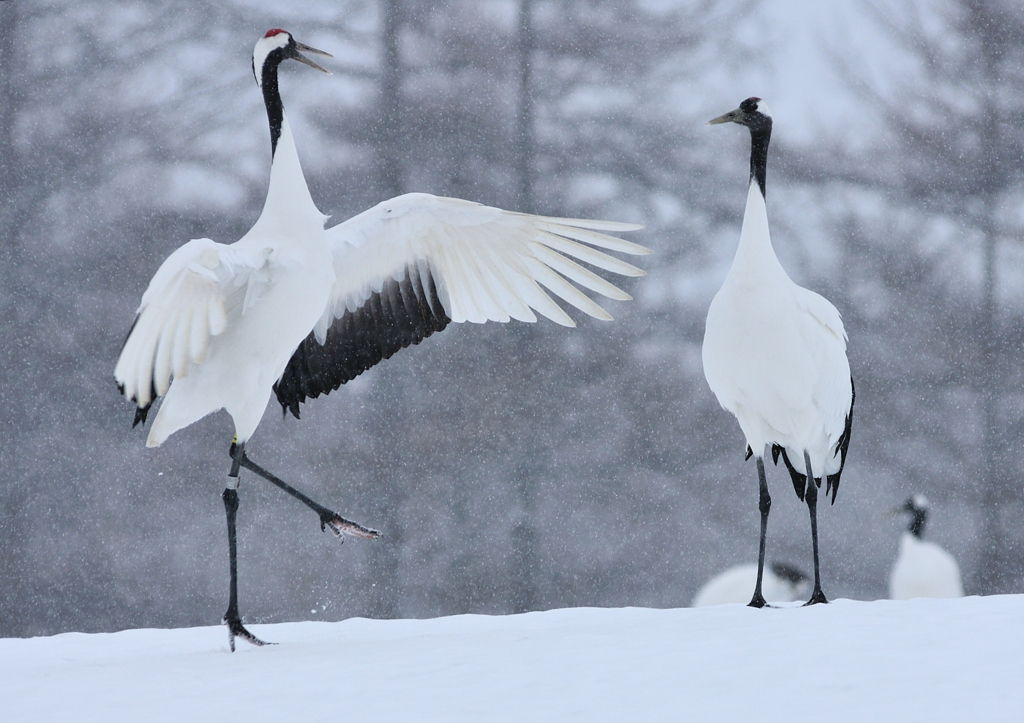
{"x":487,"y":264}
{"x":188,"y":301}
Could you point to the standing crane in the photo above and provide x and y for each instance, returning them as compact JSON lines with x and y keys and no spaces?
{"x":775,"y":357}
{"x":293,"y":310}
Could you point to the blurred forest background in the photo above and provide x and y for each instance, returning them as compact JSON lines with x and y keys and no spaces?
{"x":511,"y":467}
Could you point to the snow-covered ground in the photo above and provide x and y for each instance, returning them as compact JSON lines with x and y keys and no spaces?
{"x":920,"y":660}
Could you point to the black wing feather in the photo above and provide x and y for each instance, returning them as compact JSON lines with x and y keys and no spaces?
{"x":844,"y":445}
{"x":404,"y":312}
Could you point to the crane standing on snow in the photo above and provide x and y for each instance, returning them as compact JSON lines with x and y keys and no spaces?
{"x":922,"y":568}
{"x":296,"y":310}
{"x":775,"y":356}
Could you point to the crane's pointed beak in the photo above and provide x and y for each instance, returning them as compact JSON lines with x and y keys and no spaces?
{"x":303,"y":59}
{"x":733,"y":116}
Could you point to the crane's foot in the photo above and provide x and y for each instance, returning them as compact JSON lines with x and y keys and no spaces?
{"x":237,"y":630}
{"x":340,"y":526}
{"x":816,"y":597}
{"x":758,"y":601}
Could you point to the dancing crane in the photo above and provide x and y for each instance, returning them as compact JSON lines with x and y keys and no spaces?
{"x":297,"y":311}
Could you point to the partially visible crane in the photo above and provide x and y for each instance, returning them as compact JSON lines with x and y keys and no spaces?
{"x":922,"y":568}
{"x":780,"y":583}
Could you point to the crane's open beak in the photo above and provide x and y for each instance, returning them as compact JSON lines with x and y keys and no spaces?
{"x":733,"y":116}
{"x":303,"y":59}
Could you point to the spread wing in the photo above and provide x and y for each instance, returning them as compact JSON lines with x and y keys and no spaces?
{"x":409,"y":266}
{"x":192,"y":297}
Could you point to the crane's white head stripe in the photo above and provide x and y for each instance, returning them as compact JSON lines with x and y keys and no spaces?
{"x":755,"y":105}
{"x":264,"y":47}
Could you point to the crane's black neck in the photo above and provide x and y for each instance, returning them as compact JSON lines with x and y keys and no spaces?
{"x":272,"y":96}
{"x":917,"y":522}
{"x":760,"y":135}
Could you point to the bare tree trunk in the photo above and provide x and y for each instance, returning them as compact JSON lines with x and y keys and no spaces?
{"x":13,"y":526}
{"x":992,"y":572}
{"x":8,"y":156}
{"x":386,"y":402}
{"x":389,"y":118}
{"x":524,"y":594}
{"x":526,"y":41}
{"x":385,"y":564}
{"x":991,"y":575}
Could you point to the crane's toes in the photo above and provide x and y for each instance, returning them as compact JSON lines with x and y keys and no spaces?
{"x":340,"y":526}
{"x":758,"y":601}
{"x":816,"y":597}
{"x":237,"y":630}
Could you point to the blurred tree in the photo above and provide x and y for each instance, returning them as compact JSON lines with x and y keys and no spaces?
{"x":510,"y":468}
{"x":524,"y":593}
{"x":117,"y":143}
{"x":526,"y":41}
{"x":950,"y":170}
{"x":582,"y":109}
{"x":390,"y":139}
{"x":13,"y":522}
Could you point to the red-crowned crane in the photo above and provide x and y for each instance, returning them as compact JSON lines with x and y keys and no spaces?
{"x":775,"y":356}
{"x":922,"y":568}
{"x":295,"y":310}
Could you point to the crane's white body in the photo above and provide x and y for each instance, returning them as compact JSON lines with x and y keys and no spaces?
{"x":775,"y":353}
{"x":219,"y":323}
{"x":223,"y":320}
{"x":923,"y":569}
{"x":734,"y":586}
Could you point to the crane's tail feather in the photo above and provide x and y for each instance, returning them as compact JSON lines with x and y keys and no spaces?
{"x":842,"y":446}
{"x":799,"y":478}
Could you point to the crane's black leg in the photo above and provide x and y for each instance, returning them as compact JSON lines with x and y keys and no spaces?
{"x":231,"y":617}
{"x":328,"y":518}
{"x":765,"y":506}
{"x":811,"y":495}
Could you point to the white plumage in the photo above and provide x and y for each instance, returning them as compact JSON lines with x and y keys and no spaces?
{"x":219,"y":323}
{"x":487,"y":262}
{"x":781,"y":583}
{"x":922,"y":568}
{"x":223,"y":321}
{"x":774,"y":354}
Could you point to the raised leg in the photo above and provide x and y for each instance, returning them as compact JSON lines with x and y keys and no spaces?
{"x":811,"y":495}
{"x":328,"y":518}
{"x":765,"y":506}
{"x":231,"y":617}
